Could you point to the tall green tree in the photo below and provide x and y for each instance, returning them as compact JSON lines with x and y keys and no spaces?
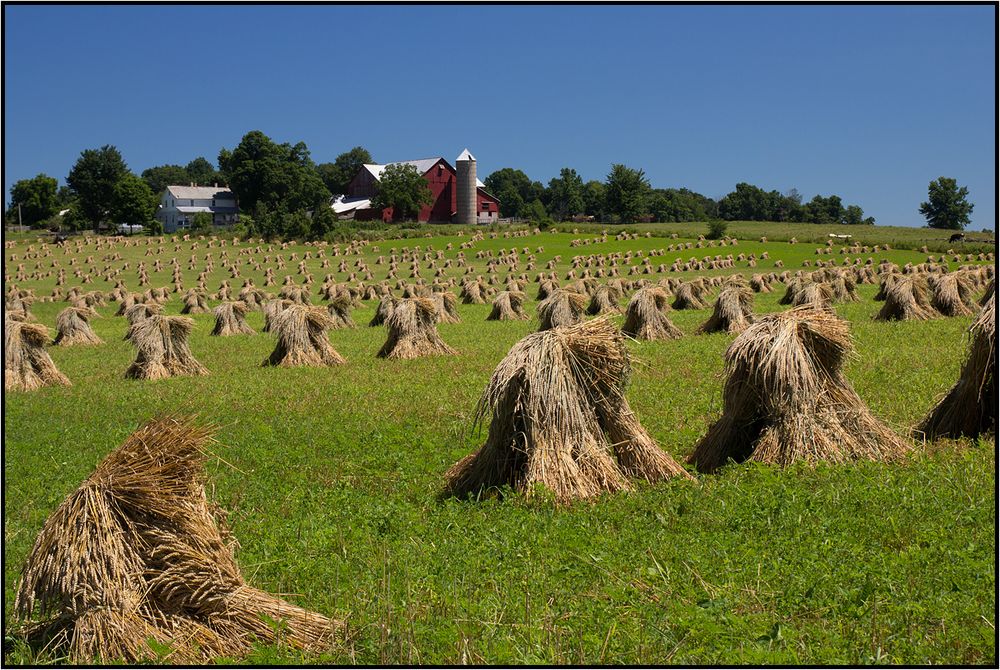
{"x":404,"y":189}
{"x":158,"y":178}
{"x":133,"y":202}
{"x":323,"y":221}
{"x":593,"y":198}
{"x":338,"y":174}
{"x":259,"y":170}
{"x":37,"y":198}
{"x":946,"y":206}
{"x":202,"y":172}
{"x":627,"y":193}
{"x":566,"y":194}
{"x":825,"y":210}
{"x":513,"y":189}
{"x":93,"y":179}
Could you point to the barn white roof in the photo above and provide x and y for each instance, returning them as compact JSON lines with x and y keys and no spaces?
{"x":422,"y":165}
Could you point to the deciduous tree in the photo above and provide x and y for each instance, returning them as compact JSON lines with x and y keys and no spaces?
{"x":37,"y":198}
{"x":259,"y":170}
{"x":946,"y":205}
{"x":93,"y":179}
{"x":404,"y":189}
{"x":566,"y":194}
{"x":132,"y":201}
{"x":627,"y":193}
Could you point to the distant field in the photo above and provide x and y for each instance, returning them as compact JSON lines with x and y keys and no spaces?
{"x":333,"y":477}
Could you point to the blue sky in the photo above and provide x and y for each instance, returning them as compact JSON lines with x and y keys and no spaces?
{"x":867,"y":102}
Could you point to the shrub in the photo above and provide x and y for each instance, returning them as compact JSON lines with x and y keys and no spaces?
{"x":716,"y":229}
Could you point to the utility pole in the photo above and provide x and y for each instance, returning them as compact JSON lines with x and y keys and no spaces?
{"x":19,"y":224}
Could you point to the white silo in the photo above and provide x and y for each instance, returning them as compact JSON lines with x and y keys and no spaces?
{"x":465,"y":206}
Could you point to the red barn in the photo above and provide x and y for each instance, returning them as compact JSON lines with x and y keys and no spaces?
{"x":443,"y":180}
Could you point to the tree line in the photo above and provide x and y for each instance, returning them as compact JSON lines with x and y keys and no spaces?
{"x":283,"y":193}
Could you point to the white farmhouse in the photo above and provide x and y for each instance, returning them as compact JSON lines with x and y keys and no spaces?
{"x":179,"y":204}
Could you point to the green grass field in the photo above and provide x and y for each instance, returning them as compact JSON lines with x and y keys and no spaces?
{"x":333,"y":480}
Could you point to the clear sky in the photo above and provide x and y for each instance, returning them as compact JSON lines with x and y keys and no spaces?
{"x":866,"y":102}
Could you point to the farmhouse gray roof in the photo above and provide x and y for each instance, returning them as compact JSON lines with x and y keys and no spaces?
{"x":201,"y":192}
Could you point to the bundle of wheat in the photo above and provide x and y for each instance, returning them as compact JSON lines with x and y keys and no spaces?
{"x":603,"y":300}
{"x":690,"y":295}
{"x":162,"y":348}
{"x":252,"y":297}
{"x":73,"y":327}
{"x":384,"y":310}
{"x":545,"y":289}
{"x":230,"y":319}
{"x":953,"y":294}
{"x":561,"y":308}
{"x":134,"y":562}
{"x":760,"y":284}
{"x":732,"y":312}
{"x":508,"y":306}
{"x":26,"y":364}
{"x":127,"y":300}
{"x":271,"y":309}
{"x":95,"y":299}
{"x":413,"y":331}
{"x":296,"y":294}
{"x":786,"y":398}
{"x":970,"y":407}
{"x":886,"y":280}
{"x":843,"y":288}
{"x":814,"y":294}
{"x":907,"y":298}
{"x":560,"y":419}
{"x":646,"y":316}
{"x":140,"y":311}
{"x":991,"y":291}
{"x":302,"y":338}
{"x":472,"y":293}
{"x":445,"y":302}
{"x":340,"y":311}
{"x":195,"y":302}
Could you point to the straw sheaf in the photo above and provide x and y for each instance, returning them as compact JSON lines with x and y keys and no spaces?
{"x":445,"y":303}
{"x":136,"y":553}
{"x":385,"y":306}
{"x":732,"y":312}
{"x":27,"y":366}
{"x":413,"y":331}
{"x":141,"y":311}
{"x":73,"y":327}
{"x":508,"y":306}
{"x":907,"y":298}
{"x":604,"y":300}
{"x":271,"y":309}
{"x":559,"y":418}
{"x":646,"y":316}
{"x":230,"y":319}
{"x":953,"y":294}
{"x":339,"y":310}
{"x":561,"y":308}
{"x":690,"y":295}
{"x":786,"y":398}
{"x":162,"y":348}
{"x":969,"y":409}
{"x":302,"y":338}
